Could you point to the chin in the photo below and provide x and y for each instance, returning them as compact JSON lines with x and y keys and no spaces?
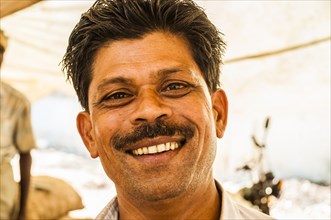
{"x":161,"y":193}
{"x":164,"y":188}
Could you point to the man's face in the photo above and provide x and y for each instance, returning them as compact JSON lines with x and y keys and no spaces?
{"x":151,"y":119}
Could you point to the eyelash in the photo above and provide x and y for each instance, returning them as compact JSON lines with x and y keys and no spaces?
{"x":176,"y":89}
{"x":116,"y":99}
{"x":175,"y":84}
{"x":112,"y":96}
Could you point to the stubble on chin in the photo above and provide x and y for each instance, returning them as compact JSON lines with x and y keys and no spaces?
{"x":161,"y":184}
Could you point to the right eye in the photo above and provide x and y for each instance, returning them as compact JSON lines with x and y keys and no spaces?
{"x":117,"y":95}
{"x":116,"y":99}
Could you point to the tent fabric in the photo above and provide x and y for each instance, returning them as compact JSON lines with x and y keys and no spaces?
{"x":8,"y":7}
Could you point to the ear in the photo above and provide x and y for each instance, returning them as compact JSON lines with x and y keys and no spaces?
{"x":84,"y":126}
{"x":220,"y":111}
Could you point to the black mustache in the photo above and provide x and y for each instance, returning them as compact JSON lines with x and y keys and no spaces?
{"x":159,"y":128}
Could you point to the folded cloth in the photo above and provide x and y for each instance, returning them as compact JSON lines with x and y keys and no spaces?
{"x":51,"y":198}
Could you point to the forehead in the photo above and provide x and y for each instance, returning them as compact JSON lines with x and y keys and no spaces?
{"x":152,"y":53}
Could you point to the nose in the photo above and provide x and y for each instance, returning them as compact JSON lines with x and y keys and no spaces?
{"x":149,"y":107}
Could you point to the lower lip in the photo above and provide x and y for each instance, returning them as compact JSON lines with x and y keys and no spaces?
{"x":156,"y":159}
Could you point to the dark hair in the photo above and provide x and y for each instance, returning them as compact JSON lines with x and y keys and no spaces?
{"x":111,"y":20}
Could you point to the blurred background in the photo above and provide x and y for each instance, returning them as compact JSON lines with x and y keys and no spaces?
{"x":277,"y":66}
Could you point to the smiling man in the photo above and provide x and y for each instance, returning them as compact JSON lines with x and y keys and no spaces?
{"x":147,"y":75}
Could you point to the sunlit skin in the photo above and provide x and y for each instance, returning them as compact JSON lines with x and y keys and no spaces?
{"x":140,"y":81}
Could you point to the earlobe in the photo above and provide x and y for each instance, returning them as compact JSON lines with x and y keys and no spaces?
{"x":220,"y":110}
{"x":84,"y":127}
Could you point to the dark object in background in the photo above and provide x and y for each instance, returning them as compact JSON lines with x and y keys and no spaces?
{"x":261,"y":193}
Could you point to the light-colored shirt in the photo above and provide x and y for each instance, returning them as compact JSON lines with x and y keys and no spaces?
{"x":230,"y":210}
{"x":15,"y":137}
{"x":16,"y":134}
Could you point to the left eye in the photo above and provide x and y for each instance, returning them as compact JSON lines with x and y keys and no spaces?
{"x":175,"y":86}
{"x":176,"y":89}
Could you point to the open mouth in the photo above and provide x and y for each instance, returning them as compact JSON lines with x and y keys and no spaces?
{"x":156,"y":149}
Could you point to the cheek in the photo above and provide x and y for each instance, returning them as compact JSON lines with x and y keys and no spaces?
{"x":196,"y":109}
{"x":108,"y":122}
{"x":202,"y":109}
{"x":104,"y":128}
{"x":203,"y":115}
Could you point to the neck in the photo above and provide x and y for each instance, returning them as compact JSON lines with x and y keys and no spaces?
{"x":203,"y":203}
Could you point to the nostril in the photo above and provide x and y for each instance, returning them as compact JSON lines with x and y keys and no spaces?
{"x":162,"y":116}
{"x":140,"y":120}
{"x":150,"y":114}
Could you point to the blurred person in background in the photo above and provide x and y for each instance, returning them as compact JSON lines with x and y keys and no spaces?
{"x":147,"y":75}
{"x":16,"y":138}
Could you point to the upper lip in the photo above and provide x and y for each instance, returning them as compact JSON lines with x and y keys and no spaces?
{"x":154,"y":141}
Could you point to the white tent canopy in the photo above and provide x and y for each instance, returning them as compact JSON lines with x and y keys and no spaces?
{"x":277,"y":64}
{"x":9,"y":6}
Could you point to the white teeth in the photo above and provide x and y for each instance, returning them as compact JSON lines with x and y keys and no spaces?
{"x":156,"y":148}
{"x":152,"y":149}
{"x":160,"y":148}
{"x":167,"y":146}
{"x":173,"y":145}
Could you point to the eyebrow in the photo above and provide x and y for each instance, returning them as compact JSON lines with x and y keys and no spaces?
{"x":115,"y":80}
{"x":165,"y":72}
